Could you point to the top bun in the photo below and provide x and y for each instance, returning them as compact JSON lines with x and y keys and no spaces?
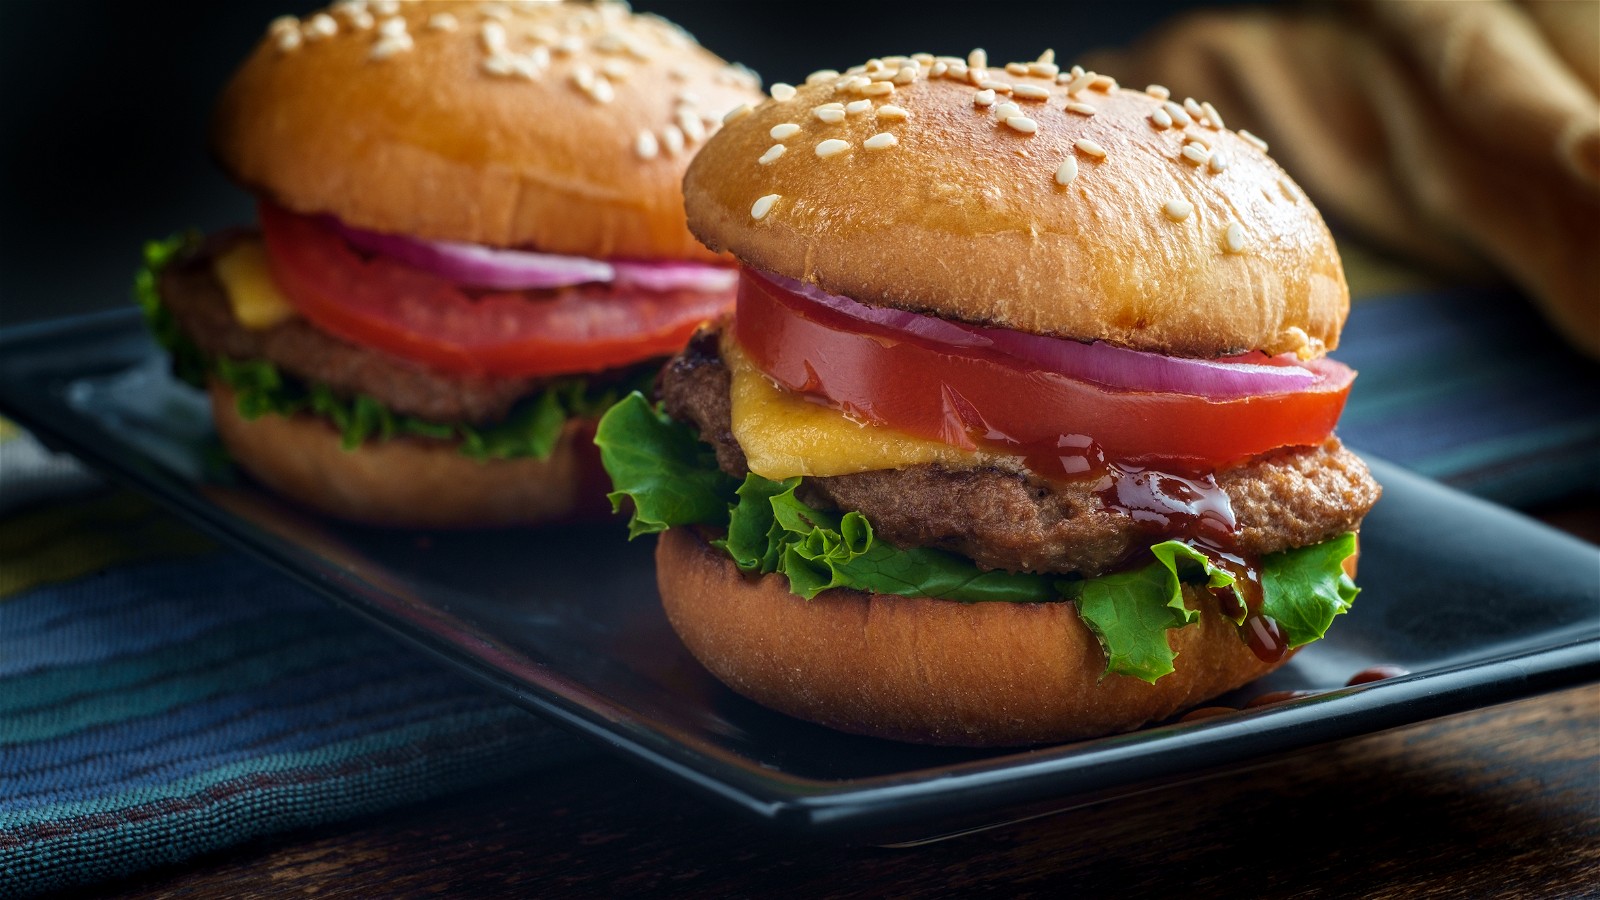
{"x":562,"y":127}
{"x":969,"y":218}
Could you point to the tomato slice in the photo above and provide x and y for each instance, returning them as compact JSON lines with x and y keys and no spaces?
{"x":969,"y":397}
{"x":388,"y":305}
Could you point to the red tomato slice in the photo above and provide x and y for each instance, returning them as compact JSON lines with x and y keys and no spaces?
{"x":388,"y":305}
{"x":969,"y":398}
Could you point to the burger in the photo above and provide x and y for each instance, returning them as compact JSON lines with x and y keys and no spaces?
{"x":471,"y":241}
{"x":1022,"y":428}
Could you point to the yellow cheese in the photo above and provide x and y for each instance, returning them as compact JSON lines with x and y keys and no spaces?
{"x":257,"y":303}
{"x":784,"y":434}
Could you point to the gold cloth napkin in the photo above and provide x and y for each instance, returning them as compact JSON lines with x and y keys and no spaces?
{"x":1460,"y":134}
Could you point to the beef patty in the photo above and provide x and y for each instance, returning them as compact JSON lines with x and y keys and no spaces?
{"x":191,"y":292}
{"x":1010,"y":520}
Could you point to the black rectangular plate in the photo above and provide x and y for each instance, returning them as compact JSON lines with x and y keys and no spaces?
{"x":1481,"y":604}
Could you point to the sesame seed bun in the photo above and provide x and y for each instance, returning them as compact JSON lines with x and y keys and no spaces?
{"x":964,"y":216}
{"x":930,"y":671}
{"x":411,"y":482}
{"x":422,"y":130}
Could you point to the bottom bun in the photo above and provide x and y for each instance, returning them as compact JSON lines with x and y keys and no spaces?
{"x":930,"y":671}
{"x":411,"y":482}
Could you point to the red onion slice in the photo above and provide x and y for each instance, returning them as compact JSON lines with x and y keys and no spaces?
{"x":1114,"y":367}
{"x":474,"y":265}
{"x":676,"y":276}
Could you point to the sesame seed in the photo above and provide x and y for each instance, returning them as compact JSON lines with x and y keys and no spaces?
{"x":442,"y":22}
{"x":878,"y":89}
{"x":1079,"y":82}
{"x":1159,"y":92}
{"x":924,"y":59}
{"x":392,"y":26}
{"x":616,"y":70}
{"x":1233,"y":238}
{"x":983,"y":98}
{"x":645,"y":146}
{"x":1179,"y":116}
{"x":881,"y":141}
{"x":493,"y":36}
{"x":1063,"y":77}
{"x":360,"y":20}
{"x":1016,"y":68}
{"x":832,"y":147}
{"x":1022,"y":124}
{"x":1218,"y":161}
{"x":957,"y":71}
{"x":320,"y":26}
{"x":288,"y":41}
{"x":938,"y":69}
{"x":672,"y":140}
{"x":1178,"y":210}
{"x":1089,"y":148}
{"x":1213,"y":115}
{"x":763,"y":205}
{"x":692,"y":127}
{"x":906,"y":75}
{"x":1196,"y":154}
{"x":822,"y":75}
{"x":977,"y":76}
{"x":389,"y":45}
{"x":1002,"y":87}
{"x":951,"y":60}
{"x":498,"y":64}
{"x":1082,"y":109}
{"x":599,"y":90}
{"x":1103,"y":83}
{"x":856,"y":83}
{"x":1030,"y":92}
{"x":385,"y":7}
{"x":782,"y":92}
{"x":1198,"y":137}
{"x":1044,"y":69}
{"x":1252,"y":140}
{"x":1076,"y":71}
{"x":892,"y":112}
{"x":738,"y":112}
{"x":1006,"y":110}
{"x":857,"y":106}
{"x":1067,"y":171}
{"x":1193,"y":109}
{"x":977,"y":59}
{"x":830,"y":114}
{"x":784,"y":130}
{"x":283,"y":24}
{"x":772,"y":154}
{"x":1160,"y":119}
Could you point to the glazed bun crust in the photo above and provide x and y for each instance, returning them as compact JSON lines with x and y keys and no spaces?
{"x":411,"y":483}
{"x":426,"y":142}
{"x":929,"y":671}
{"x":963,"y":218}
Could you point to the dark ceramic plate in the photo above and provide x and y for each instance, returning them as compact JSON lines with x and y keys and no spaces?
{"x":1481,"y":604}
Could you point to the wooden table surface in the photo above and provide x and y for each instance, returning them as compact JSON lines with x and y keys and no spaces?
{"x":1501,"y":802}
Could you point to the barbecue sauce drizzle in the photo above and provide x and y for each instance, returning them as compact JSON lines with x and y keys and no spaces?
{"x":1167,"y":505}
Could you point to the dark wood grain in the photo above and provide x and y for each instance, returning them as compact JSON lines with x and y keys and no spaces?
{"x":1498,"y":802}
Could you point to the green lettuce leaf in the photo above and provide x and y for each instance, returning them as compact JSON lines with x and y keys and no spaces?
{"x":772,"y":530}
{"x":1303,"y":589}
{"x":661,"y":466}
{"x":1131,"y":612}
{"x":531,"y":430}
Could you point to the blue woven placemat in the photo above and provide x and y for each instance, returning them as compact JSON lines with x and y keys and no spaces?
{"x":160,"y":697}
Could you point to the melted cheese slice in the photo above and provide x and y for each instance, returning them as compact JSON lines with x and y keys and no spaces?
{"x":784,"y":434}
{"x":257,"y":303}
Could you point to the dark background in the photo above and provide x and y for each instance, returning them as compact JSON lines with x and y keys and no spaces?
{"x":103,"y":116}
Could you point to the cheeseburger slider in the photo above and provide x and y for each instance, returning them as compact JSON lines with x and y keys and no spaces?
{"x":1022,"y":429}
{"x":471,"y":241}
